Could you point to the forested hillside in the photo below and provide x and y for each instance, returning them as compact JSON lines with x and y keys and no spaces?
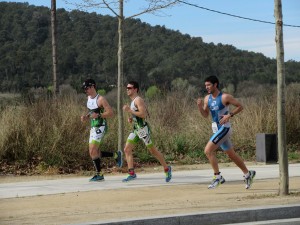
{"x":87,"y":46}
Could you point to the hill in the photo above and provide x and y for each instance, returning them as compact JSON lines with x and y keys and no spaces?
{"x":87,"y":46}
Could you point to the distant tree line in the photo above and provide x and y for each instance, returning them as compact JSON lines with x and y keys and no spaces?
{"x":87,"y":47}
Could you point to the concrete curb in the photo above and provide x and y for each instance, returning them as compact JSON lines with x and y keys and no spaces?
{"x":216,"y":217}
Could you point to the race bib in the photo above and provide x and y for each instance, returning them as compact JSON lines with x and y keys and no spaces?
{"x":142,"y":132}
{"x":214,"y":127}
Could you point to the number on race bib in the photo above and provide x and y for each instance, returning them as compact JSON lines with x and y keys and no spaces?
{"x":214,"y":127}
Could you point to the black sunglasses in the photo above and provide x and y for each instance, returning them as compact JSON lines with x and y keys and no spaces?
{"x":85,"y":88}
{"x":129,"y":88}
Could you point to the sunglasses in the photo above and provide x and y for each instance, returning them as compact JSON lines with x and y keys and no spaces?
{"x":129,"y":88}
{"x":86,"y":88}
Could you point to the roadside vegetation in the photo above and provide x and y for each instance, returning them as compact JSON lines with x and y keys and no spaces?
{"x":45,"y":135}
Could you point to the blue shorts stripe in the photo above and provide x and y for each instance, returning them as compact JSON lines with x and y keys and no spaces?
{"x":220,"y":135}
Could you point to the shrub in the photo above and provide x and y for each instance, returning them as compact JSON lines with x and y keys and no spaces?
{"x":152,"y":92}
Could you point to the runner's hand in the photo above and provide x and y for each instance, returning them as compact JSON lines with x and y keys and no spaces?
{"x":126,"y":108}
{"x":225,"y":119}
{"x":84,"y":118}
{"x":199,"y":102}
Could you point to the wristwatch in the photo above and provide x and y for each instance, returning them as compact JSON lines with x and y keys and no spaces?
{"x":231,"y":114}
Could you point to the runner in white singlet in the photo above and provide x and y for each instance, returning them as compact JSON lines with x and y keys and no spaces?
{"x":98,"y":111}
{"x":141,"y":130}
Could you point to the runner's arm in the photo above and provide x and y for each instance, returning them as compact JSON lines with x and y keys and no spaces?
{"x":203,"y":106}
{"x":108,"y":112}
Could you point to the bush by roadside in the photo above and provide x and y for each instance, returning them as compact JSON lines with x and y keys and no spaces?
{"x":48,"y":134}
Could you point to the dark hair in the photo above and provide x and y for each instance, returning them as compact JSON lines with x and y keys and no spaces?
{"x":213,"y":80}
{"x":135,"y":85}
{"x":88,"y":83}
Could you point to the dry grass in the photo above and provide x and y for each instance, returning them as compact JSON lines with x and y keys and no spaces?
{"x":49,"y":133}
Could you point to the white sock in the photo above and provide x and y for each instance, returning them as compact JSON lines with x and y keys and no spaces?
{"x":247,"y":174}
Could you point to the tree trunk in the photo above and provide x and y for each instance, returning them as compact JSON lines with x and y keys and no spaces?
{"x":282,"y":150}
{"x":54,"y":47}
{"x":120,"y":79}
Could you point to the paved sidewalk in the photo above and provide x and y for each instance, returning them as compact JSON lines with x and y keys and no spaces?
{"x":46,"y":187}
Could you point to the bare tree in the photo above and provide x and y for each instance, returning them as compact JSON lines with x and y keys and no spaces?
{"x":54,"y":47}
{"x":281,"y":97}
{"x":120,"y":78}
{"x":151,"y":6}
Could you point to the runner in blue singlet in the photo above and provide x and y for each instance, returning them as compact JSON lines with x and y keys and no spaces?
{"x":222,"y":132}
{"x":217,"y":104}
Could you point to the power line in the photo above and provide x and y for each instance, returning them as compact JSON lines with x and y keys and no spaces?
{"x":241,"y":17}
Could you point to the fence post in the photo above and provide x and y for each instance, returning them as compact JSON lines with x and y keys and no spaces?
{"x":266,"y":148}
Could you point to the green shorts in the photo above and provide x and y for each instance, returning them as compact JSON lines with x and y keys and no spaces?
{"x":143,"y":134}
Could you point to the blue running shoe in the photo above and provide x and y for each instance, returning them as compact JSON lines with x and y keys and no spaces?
{"x":129,"y":178}
{"x":169,"y":174}
{"x":97,"y":178}
{"x":119,"y":158}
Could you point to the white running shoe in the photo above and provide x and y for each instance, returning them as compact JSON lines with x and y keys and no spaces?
{"x":217,"y":180}
{"x":249,"y":179}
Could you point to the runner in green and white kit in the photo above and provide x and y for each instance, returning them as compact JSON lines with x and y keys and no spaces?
{"x":99,"y":111}
{"x":141,"y":130}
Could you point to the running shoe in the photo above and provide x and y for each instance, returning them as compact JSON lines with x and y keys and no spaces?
{"x":97,"y":178}
{"x":119,"y":158}
{"x":249,"y":179}
{"x":169,"y":174}
{"x":216,"y":182}
{"x":129,"y":178}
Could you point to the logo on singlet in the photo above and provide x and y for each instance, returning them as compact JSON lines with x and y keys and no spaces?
{"x":214,"y":106}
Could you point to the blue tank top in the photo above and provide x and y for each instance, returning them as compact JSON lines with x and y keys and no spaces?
{"x":217,"y":109}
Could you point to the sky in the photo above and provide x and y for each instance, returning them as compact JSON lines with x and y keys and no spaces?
{"x":216,"y":27}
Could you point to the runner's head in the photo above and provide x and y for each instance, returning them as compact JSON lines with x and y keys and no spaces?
{"x":88,"y":84}
{"x":134,"y":85}
{"x":213,"y":80}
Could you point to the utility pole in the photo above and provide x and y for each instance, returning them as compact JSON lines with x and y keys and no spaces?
{"x":281,"y":98}
{"x":54,"y":47}
{"x":120,"y":77}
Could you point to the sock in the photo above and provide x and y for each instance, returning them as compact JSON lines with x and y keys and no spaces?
{"x":131,"y":171}
{"x":218,"y":175}
{"x":247,"y":175}
{"x":107,"y":154}
{"x":97,"y":165}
